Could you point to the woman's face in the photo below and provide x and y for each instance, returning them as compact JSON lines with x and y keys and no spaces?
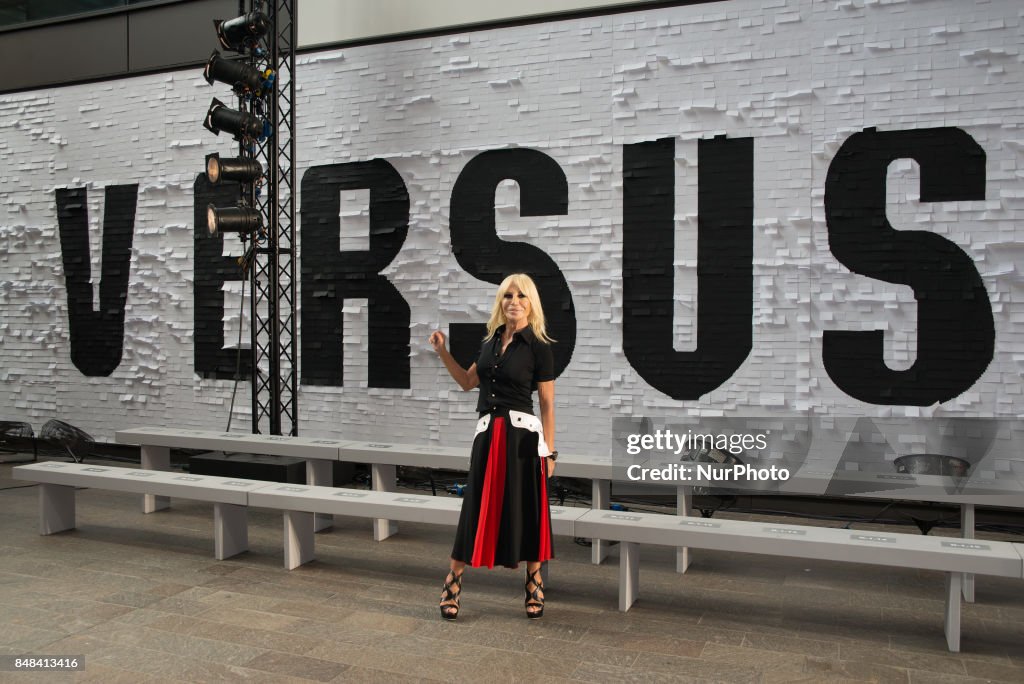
{"x":516,"y":307}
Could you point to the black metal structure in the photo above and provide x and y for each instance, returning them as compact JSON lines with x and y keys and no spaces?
{"x":275,"y":367}
{"x":262,"y":74}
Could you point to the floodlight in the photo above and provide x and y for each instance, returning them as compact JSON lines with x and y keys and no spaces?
{"x":232,"y":169}
{"x":242,"y":32}
{"x":239,"y":124}
{"x":231,"y":219}
{"x":241,"y":76}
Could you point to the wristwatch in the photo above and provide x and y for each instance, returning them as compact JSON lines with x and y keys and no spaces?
{"x":553,"y":455}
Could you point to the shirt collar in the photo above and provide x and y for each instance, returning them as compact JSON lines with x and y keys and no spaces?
{"x":526,"y":333}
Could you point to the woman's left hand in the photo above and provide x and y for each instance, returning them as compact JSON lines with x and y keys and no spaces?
{"x":551,"y":466}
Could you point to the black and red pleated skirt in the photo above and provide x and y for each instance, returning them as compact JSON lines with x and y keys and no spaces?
{"x":505,"y":515}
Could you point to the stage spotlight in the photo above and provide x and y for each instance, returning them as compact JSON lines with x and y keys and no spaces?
{"x":239,"y":124}
{"x":239,"y":75}
{"x":242,"y":32}
{"x":231,"y":219}
{"x":232,"y":169}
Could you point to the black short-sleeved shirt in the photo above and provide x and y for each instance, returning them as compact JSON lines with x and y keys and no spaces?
{"x":508,"y":380}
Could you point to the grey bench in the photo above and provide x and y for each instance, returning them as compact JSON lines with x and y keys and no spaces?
{"x":156,"y":444}
{"x":58,"y":482}
{"x":299,"y":504}
{"x":597,"y":469}
{"x":384,"y":457}
{"x":952,"y":556}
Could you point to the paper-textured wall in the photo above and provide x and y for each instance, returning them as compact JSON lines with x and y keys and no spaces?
{"x":798,"y":77}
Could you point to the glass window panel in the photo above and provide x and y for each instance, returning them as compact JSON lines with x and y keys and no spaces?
{"x":50,"y":9}
{"x":13,"y":12}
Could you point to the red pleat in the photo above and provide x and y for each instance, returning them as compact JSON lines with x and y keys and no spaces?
{"x":493,"y":496}
{"x":544,"y":552}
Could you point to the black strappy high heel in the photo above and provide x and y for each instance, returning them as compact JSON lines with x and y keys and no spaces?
{"x":534,"y":599}
{"x":450,"y":611}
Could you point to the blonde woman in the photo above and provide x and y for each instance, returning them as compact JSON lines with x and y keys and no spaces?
{"x":505,"y":517}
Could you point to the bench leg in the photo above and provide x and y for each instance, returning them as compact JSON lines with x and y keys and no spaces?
{"x":684,"y":504}
{"x":954,"y":581}
{"x":155,"y":458}
{"x":56,"y":508}
{"x":629,"y":574}
{"x":230,"y":530}
{"x":299,"y":539}
{"x":600,"y":498}
{"x":320,"y":474}
{"x":967,"y":532}
{"x":382,"y":478}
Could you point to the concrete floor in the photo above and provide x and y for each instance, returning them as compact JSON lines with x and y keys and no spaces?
{"x":141,"y":597}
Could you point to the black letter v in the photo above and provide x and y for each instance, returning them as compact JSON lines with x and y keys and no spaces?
{"x":97,"y":337}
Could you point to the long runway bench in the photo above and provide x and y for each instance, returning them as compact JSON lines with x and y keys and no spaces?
{"x":58,"y":481}
{"x":383,"y":458}
{"x":231,"y":498}
{"x":949,"y":555}
{"x":155,"y":444}
{"x":299,"y":505}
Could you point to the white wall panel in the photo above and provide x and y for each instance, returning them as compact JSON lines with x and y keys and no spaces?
{"x":799,"y":77}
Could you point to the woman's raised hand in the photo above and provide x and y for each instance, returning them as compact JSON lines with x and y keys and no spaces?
{"x":437,"y":340}
{"x":466,"y":379}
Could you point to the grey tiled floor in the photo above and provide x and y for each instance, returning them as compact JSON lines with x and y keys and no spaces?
{"x":143,"y":599}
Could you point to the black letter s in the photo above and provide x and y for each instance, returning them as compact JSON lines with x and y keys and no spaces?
{"x":543,"y":191}
{"x":956,"y":333}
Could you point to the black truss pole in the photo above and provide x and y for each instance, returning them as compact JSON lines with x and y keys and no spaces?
{"x":275,"y":368}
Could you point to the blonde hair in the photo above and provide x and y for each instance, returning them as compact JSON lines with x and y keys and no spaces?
{"x":535,"y":319}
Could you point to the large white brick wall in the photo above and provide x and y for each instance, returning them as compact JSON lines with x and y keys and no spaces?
{"x":798,"y":76}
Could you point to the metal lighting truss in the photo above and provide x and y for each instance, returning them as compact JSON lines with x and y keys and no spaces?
{"x":275,"y":405}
